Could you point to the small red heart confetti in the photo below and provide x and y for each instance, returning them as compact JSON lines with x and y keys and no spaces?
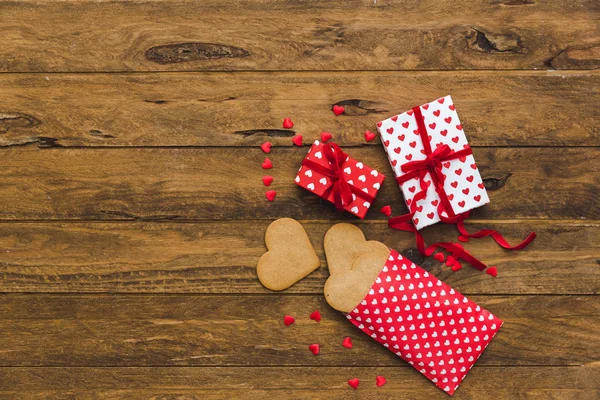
{"x":439,"y":257}
{"x":316,"y":316}
{"x":288,"y":320}
{"x":463,"y":238}
{"x":267,"y":164}
{"x":353,"y":383}
{"x":270,"y":195}
{"x":493,"y":271}
{"x":297,"y":140}
{"x":287,"y":123}
{"x":386,"y":210}
{"x":314,"y":348}
{"x":325,"y":136}
{"x":337,"y":110}
{"x":266,"y":147}
{"x":380,"y":381}
{"x":267,"y":180}
{"x":450,"y":261}
{"x":369,"y":136}
{"x":347,"y":343}
{"x":456,"y":266}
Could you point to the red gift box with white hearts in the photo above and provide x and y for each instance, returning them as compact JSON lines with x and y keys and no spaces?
{"x":402,"y":137}
{"x":424,"y":321}
{"x":362,"y":182}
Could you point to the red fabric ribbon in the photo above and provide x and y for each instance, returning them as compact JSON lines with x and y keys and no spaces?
{"x":432,"y":164}
{"x":342,"y":190}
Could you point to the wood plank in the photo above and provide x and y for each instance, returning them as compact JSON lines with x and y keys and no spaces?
{"x":186,"y":109}
{"x":225,"y":183}
{"x":297,"y":35}
{"x":325,"y":383}
{"x":218,"y":330}
{"x":221,"y":257}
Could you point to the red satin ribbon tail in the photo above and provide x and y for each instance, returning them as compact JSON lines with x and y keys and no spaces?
{"x":457,"y":252}
{"x":496,"y":236}
{"x":404,"y":223}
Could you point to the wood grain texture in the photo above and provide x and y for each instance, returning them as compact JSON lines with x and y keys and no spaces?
{"x":297,"y":35}
{"x":221,"y":257}
{"x":198,"y":383}
{"x":225,"y":183}
{"x":246,"y":109}
{"x":219,"y":330}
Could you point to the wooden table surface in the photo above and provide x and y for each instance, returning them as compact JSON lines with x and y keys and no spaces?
{"x":133,"y":211}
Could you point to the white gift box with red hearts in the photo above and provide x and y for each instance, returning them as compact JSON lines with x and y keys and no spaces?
{"x":402,"y":142}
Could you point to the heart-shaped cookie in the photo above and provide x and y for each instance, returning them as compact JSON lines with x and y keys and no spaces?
{"x":290,"y":256}
{"x":344,"y":243}
{"x":344,"y":291}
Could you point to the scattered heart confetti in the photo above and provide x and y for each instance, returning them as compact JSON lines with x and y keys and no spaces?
{"x":386,"y":210}
{"x":450,"y":261}
{"x":316,"y":316}
{"x":267,"y":180}
{"x":297,"y":140}
{"x":337,"y":110}
{"x":347,"y":343}
{"x":380,"y":381}
{"x":267,"y":164}
{"x":270,"y":195}
{"x":369,"y":136}
{"x":325,"y":136}
{"x":353,"y":383}
{"x":456,"y":266}
{"x":314,"y":348}
{"x":439,"y":257}
{"x":266,"y":147}
{"x":493,"y":271}
{"x":288,"y":320}
{"x":463,"y":238}
{"x":287,"y":123}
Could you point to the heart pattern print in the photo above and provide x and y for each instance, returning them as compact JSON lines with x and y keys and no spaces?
{"x":402,"y":142}
{"x":356,"y":173}
{"x":431,"y":326}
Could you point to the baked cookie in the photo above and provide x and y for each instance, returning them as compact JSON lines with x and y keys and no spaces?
{"x":290,"y":256}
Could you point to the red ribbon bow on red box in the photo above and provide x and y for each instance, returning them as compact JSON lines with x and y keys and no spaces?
{"x":342,"y":190}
